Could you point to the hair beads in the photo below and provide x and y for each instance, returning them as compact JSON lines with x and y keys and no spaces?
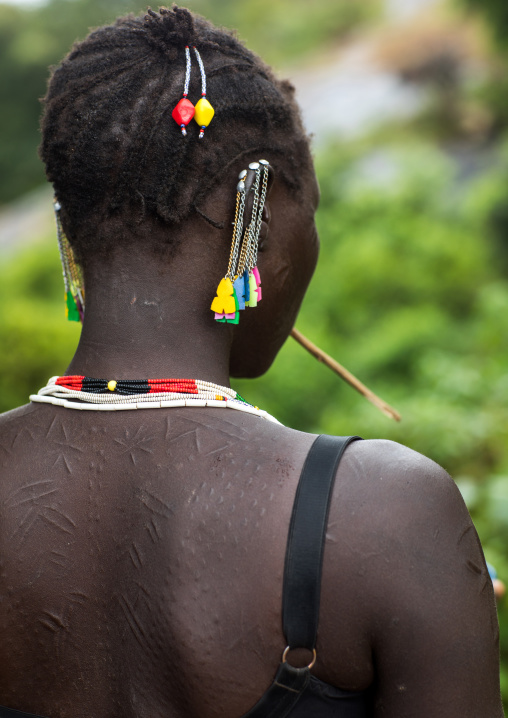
{"x":241,"y":285}
{"x":204,"y":111}
{"x":184,"y":111}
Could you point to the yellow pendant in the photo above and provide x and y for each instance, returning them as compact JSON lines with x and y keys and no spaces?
{"x":224,"y":302}
{"x":204,"y":112}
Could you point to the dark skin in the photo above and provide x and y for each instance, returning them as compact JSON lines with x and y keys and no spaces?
{"x":142,"y":552}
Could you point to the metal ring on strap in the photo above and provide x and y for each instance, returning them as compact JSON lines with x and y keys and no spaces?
{"x":311,"y":664}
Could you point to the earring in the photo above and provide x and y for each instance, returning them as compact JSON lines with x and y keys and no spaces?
{"x":247,"y":266}
{"x":72,"y":276}
{"x":184,"y":111}
{"x":226,"y":305}
{"x":241,"y":285}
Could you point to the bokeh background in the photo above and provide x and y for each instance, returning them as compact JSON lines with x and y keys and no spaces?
{"x":407,"y":102}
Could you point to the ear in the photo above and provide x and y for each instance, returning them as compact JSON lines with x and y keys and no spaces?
{"x":265,"y":224}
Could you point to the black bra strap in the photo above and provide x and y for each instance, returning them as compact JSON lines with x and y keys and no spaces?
{"x":12,"y":713}
{"x":283,"y":694}
{"x":307,"y":532}
{"x":302,"y":572}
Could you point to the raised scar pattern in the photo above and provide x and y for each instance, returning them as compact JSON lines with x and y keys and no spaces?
{"x":135,"y":443}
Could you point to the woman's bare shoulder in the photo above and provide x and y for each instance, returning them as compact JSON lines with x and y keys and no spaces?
{"x":8,"y":416}
{"x":398,"y":482}
{"x":403,"y":561}
{"x":400,"y":504}
{"x":15,"y":420}
{"x":395,"y":463}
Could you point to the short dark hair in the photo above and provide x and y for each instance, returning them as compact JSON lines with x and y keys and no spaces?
{"x":111,"y":147}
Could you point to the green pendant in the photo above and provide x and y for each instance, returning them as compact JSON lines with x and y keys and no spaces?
{"x":237,"y":312}
{"x":71,"y":308}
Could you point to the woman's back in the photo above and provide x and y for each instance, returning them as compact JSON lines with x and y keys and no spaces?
{"x":158,"y":528}
{"x":143,"y":555}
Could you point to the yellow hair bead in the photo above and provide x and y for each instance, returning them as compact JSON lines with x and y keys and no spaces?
{"x":204,"y":112}
{"x":112,"y":385}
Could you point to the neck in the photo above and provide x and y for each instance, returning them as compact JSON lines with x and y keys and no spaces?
{"x":144,"y":321}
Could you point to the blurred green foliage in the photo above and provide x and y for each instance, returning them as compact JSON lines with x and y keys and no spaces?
{"x":30,"y":41}
{"x":495,"y":13}
{"x":492,"y":93}
{"x":36,"y":340}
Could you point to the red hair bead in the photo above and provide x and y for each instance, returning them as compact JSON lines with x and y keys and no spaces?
{"x":183,"y":113}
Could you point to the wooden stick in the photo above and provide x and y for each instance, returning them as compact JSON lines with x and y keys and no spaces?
{"x":326,"y":359}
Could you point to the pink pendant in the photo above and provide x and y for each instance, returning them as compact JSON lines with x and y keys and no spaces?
{"x":255,"y":272}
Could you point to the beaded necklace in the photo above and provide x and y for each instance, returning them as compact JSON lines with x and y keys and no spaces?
{"x":87,"y":393}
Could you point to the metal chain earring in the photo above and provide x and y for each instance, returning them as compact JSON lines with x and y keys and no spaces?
{"x":72,"y":275}
{"x":241,"y":285}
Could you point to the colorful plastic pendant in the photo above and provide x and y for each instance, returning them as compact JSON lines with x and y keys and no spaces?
{"x":225,"y":302}
{"x":253,"y":287}
{"x":253,"y":298}
{"x":239,"y":285}
{"x":224,"y":317}
{"x":183,"y":113}
{"x":247,"y":287}
{"x":255,"y":272}
{"x":228,"y":318}
{"x":71,"y":308}
{"x":226,"y":305}
{"x":236,"y":317}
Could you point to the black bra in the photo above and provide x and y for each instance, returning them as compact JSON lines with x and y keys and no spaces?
{"x":295,"y":693}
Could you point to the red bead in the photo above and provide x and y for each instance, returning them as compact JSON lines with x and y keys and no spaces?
{"x":183,"y":112}
{"x":69,"y":380}
{"x":182,"y":386}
